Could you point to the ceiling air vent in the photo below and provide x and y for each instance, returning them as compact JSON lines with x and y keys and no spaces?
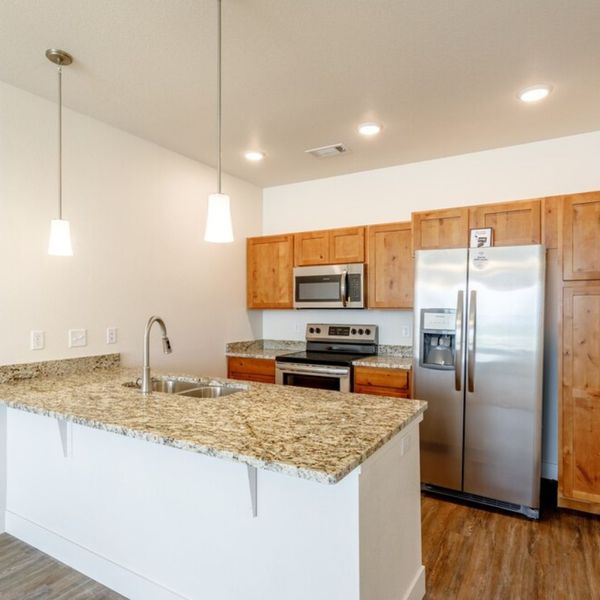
{"x":325,"y":151}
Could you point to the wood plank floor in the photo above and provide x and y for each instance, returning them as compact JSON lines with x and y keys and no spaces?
{"x":28,"y":574}
{"x":469,"y":553}
{"x":480,"y":554}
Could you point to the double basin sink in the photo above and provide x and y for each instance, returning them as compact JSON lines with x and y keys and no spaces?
{"x":195,"y":389}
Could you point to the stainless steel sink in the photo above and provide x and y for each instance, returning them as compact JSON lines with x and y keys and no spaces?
{"x":187,"y":388}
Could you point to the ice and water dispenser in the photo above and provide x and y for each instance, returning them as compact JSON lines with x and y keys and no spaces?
{"x":438,"y":338}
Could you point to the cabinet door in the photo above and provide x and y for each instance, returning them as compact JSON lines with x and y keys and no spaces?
{"x":581,"y":236}
{"x":270,"y":262}
{"x":551,"y":207}
{"x":311,"y":248}
{"x":251,"y":369}
{"x":390,"y":266}
{"x":381,"y":382}
{"x":579,"y":475}
{"x":514,"y":223}
{"x":347,"y":245}
{"x":434,"y":229}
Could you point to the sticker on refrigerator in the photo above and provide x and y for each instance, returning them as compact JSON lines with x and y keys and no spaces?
{"x":479,"y":259}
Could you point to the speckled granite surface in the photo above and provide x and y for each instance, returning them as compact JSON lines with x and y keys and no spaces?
{"x":67,"y":366}
{"x":263,"y":348}
{"x":312,"y":434}
{"x":384,"y":362}
{"x":389,"y":357}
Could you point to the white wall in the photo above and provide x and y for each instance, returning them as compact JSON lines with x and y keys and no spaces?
{"x":552,"y":167}
{"x":137,"y":214}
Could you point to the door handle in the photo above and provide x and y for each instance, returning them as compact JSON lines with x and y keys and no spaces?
{"x":458,"y":346}
{"x":472,"y":328}
{"x":343,"y":287}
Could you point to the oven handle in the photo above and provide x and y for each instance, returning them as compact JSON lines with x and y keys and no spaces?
{"x":312,"y":369}
{"x":344,"y":287}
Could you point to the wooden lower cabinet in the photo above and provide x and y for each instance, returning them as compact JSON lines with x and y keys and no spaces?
{"x":251,"y":369}
{"x":579,"y":411}
{"x":382,"y":382}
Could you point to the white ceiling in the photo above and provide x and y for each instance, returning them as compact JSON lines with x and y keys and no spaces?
{"x":440,"y":75}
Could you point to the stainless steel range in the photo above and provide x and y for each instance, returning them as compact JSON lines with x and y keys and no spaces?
{"x":330,"y":352}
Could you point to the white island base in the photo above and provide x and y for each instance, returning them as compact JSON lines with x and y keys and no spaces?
{"x":155,"y":522}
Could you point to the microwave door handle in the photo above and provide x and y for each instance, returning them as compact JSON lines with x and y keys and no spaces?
{"x":458,"y":347}
{"x":344,"y":287}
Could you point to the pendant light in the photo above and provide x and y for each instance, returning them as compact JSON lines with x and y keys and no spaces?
{"x":218,"y":221}
{"x":60,"y":231}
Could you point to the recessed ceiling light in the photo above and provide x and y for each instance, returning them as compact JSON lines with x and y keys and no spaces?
{"x":534,"y":93}
{"x":369,"y":129}
{"x":254,"y":156}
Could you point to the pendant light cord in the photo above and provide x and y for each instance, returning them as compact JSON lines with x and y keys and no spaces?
{"x":60,"y":141}
{"x":219,"y":109}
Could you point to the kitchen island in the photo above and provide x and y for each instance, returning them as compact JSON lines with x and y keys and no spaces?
{"x":318,"y":495}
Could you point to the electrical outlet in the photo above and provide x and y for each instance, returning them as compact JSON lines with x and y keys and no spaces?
{"x":37,"y":340}
{"x":111,"y":335}
{"x":77,"y":338}
{"x":405,"y":331}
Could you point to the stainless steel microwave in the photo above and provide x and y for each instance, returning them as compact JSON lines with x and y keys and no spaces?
{"x":330,"y":286}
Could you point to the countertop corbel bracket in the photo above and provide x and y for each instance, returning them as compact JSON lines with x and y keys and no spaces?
{"x":253,"y":483}
{"x":65,"y":430}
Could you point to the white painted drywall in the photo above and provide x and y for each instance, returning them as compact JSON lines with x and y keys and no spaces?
{"x":137,"y":214}
{"x":547,"y":168}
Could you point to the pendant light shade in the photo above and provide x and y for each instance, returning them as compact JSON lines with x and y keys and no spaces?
{"x":60,"y":238}
{"x":60,"y":230}
{"x":218,"y":222}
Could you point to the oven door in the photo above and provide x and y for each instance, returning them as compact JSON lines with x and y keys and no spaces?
{"x":323,"y":377}
{"x":331,"y":286}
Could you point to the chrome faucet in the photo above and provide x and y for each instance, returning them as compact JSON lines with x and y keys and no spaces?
{"x":146,"y":379}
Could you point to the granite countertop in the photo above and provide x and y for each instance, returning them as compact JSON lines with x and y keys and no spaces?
{"x":311,"y":434}
{"x":389,"y":357}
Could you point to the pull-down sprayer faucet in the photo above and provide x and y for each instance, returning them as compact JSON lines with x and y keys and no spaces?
{"x":146,"y":378}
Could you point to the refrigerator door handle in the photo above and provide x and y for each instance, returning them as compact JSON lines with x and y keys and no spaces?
{"x":471,"y":329}
{"x":458,"y":349}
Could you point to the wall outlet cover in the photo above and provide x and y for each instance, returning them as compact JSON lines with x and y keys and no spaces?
{"x":111,"y":335}
{"x":77,"y":338}
{"x":37,"y":340}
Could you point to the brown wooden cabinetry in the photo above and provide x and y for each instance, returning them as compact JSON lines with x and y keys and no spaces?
{"x":251,"y":369}
{"x":581,"y":236}
{"x":382,"y":382}
{"x":330,"y":246}
{"x":390,"y":265}
{"x":448,"y":228}
{"x":270,"y":261}
{"x":514,"y":223}
{"x":579,"y":471}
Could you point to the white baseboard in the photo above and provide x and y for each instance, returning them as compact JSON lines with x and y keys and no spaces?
{"x":417,"y":588}
{"x":118,"y":578}
{"x":550,"y":471}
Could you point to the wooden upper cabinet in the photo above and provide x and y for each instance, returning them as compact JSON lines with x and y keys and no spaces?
{"x":330,"y":246}
{"x":550,"y":219}
{"x":579,"y":473}
{"x":311,"y":248}
{"x":448,"y":228}
{"x":513,"y":223}
{"x":347,"y":245}
{"x":390,"y":266}
{"x":270,"y":261}
{"x":581,"y":236}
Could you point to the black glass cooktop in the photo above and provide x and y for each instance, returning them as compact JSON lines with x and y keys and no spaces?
{"x":321,"y":358}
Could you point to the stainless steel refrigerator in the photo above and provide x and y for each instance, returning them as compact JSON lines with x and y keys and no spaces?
{"x":478,"y":351}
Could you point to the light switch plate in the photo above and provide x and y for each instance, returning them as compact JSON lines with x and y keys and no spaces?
{"x":37,"y":340}
{"x":77,"y":338}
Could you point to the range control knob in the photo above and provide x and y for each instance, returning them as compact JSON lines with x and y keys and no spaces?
{"x":318,"y":330}
{"x":353,"y":331}
{"x":311,"y":330}
{"x":360,"y":332}
{"x":367,"y":331}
